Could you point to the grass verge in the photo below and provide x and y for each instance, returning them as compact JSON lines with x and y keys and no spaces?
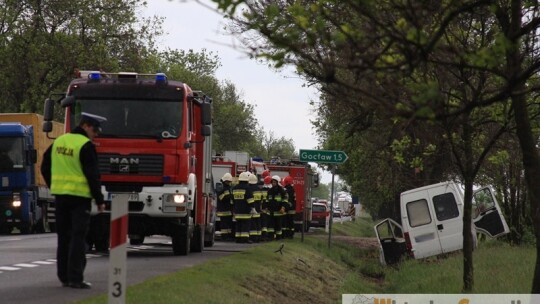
{"x":310,"y":272}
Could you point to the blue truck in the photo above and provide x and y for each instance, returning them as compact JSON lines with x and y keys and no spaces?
{"x":26,"y":205}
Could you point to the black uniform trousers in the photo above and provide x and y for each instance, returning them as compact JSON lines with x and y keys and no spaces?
{"x":72,"y":221}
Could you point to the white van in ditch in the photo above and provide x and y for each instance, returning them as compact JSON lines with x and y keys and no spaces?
{"x":432,"y":222}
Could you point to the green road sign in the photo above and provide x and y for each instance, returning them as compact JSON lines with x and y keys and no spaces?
{"x":323,"y":156}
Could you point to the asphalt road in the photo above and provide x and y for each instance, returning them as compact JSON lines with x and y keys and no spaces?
{"x":28,"y":267}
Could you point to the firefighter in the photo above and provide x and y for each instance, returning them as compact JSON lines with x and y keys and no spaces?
{"x":224,"y":205}
{"x":277,"y":200}
{"x":265,"y":213}
{"x":288,"y":223}
{"x":256,"y":187}
{"x":243,"y":207}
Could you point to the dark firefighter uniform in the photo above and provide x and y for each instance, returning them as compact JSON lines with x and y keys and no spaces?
{"x":255,"y":230}
{"x":224,"y":208}
{"x":288,"y":225}
{"x":70,"y":168}
{"x":265,"y":212}
{"x":277,"y":200}
{"x":242,"y":204}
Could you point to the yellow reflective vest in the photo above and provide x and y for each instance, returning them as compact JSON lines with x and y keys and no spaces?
{"x":67,"y":177}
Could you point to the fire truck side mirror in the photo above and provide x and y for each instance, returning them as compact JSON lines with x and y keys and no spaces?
{"x":48,"y":111}
{"x":206,"y":130}
{"x":206,"y":114}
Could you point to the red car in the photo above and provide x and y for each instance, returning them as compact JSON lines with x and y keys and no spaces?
{"x":319,"y":212}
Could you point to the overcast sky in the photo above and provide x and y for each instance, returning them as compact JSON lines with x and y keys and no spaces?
{"x":281,"y":101}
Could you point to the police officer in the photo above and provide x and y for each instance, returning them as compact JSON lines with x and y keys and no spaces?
{"x":70,"y":168}
{"x":243,"y":207}
{"x":224,"y":205}
{"x":288,"y":225}
{"x":277,"y":200}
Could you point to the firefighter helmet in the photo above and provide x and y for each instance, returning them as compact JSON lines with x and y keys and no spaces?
{"x":227,"y":177}
{"x":243,"y":177}
{"x":276,"y":178}
{"x":253,"y":179}
{"x":268,"y":180}
{"x":287,"y":180}
{"x":265,"y":173}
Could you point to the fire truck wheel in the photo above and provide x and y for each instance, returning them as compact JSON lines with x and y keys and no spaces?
{"x":210,"y":238}
{"x":136,"y":239}
{"x":181,"y":241}
{"x":197,"y":243}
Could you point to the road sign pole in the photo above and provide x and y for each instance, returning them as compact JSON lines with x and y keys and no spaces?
{"x":331,"y":207}
{"x":117,"y":258}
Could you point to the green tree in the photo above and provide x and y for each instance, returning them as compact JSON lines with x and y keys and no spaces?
{"x":365,"y":48}
{"x":42,"y":42}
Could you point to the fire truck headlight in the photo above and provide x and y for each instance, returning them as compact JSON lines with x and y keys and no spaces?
{"x":16,"y":200}
{"x":174,"y":198}
{"x":179,"y":198}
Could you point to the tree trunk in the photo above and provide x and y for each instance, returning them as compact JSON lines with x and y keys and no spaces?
{"x":468,"y":245}
{"x":531,"y":164}
{"x":527,"y":142}
{"x":468,"y":178}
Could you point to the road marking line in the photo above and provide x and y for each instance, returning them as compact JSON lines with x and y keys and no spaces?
{"x":43,"y":262}
{"x":9,"y":268}
{"x":26,"y":265}
{"x":6,"y":240}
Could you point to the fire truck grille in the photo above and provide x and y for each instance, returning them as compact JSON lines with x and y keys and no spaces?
{"x":132,"y":164}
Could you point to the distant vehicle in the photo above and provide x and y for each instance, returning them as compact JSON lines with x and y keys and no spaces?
{"x":337,"y":212}
{"x":432,"y":222}
{"x":25,"y":200}
{"x":319,"y":212}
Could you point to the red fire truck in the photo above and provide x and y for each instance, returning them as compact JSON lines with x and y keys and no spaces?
{"x":303,"y":181}
{"x":156,"y":145}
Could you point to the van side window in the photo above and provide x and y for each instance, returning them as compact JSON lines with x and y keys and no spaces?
{"x":418,"y":213}
{"x":445,"y":206}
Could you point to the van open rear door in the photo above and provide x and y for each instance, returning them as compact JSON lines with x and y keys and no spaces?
{"x":391,"y":242}
{"x":487,"y":215}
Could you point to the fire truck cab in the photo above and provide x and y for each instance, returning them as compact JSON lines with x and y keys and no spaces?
{"x":155,"y":145}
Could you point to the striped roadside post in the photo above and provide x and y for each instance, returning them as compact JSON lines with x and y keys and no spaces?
{"x":117,"y":257}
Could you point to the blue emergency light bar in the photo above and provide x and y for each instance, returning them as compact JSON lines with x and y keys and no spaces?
{"x":95,"y":75}
{"x":160,"y":77}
